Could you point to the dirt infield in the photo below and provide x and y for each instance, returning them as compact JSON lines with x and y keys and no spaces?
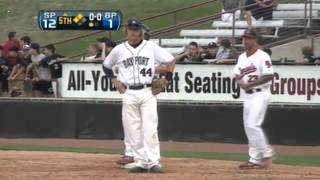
{"x":19,"y":165}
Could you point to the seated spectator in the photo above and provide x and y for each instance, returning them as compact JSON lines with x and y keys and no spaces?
{"x":309,"y":56}
{"x":94,"y":53}
{"x":4,"y":73}
{"x":211,"y":51}
{"x":10,"y":43}
{"x":25,"y":42}
{"x":229,"y":5}
{"x":225,"y":50}
{"x":41,"y":75}
{"x":261,"y":9}
{"x":54,"y":62}
{"x":191,"y":54}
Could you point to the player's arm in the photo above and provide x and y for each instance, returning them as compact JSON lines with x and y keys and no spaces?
{"x":107,"y":65}
{"x":163,"y":57}
{"x":261,"y":80}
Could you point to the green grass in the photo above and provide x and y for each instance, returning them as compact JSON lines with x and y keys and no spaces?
{"x":22,"y":17}
{"x":286,"y":160}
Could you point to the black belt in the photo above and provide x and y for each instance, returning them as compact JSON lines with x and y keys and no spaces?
{"x":137,"y":87}
{"x":251,"y":91}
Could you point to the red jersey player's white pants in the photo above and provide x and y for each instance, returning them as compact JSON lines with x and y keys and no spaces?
{"x":140,"y":123}
{"x":254,"y":109}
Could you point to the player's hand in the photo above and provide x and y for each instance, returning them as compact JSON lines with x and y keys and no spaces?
{"x":244,"y":86}
{"x":119,"y":86}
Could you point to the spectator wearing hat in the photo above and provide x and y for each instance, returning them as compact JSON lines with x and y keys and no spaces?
{"x":211,"y":52}
{"x":10,"y":43}
{"x":226,"y":51}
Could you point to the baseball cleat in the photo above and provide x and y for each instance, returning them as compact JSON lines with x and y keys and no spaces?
{"x":138,"y":169}
{"x":125,"y":160}
{"x":156,"y":169}
{"x":129,"y":166}
{"x":250,"y":165}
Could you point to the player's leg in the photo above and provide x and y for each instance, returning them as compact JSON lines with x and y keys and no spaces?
{"x":131,"y":120}
{"x":255,"y":109}
{"x":127,"y":158}
{"x":149,"y":116}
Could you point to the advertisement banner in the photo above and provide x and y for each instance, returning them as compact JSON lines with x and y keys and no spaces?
{"x":198,"y":82}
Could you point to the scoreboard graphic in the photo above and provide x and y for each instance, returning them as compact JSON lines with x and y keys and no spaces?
{"x":79,"y":20}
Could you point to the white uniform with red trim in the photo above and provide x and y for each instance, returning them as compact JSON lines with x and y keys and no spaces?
{"x":255,"y":102}
{"x":136,"y":68}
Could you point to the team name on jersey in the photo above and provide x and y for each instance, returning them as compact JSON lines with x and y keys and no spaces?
{"x":247,"y":70}
{"x":140,"y":60}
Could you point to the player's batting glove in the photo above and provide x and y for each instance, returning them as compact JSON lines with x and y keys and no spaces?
{"x":158,"y":85}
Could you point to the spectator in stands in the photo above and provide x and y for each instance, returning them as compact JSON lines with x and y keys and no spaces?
{"x":261,"y":9}
{"x":229,"y":5}
{"x":211,"y":52}
{"x":4,"y":73}
{"x":17,"y":76}
{"x":146,"y":32}
{"x":225,"y":50}
{"x":105,"y":47}
{"x":12,"y":57}
{"x":25,"y":42}
{"x":10,"y":43}
{"x":94,"y":53}
{"x":54,"y":62}
{"x":191,"y":54}
{"x":41,"y":75}
{"x":26,"y":57}
{"x":309,"y":56}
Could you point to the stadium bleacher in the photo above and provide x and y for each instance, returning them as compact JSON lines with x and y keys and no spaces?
{"x":289,"y":15}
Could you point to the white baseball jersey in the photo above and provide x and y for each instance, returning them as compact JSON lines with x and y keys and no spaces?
{"x":136,"y":66}
{"x":252,"y":67}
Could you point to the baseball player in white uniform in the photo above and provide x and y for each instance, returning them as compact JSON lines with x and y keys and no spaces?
{"x":254,"y":74}
{"x":136,"y":59}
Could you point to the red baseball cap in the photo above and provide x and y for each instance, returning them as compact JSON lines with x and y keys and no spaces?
{"x":250,"y":34}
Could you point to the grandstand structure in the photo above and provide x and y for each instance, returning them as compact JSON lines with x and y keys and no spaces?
{"x":291,"y":21}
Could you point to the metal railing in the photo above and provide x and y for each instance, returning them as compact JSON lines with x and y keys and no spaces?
{"x":166,"y":13}
{"x":286,"y":35}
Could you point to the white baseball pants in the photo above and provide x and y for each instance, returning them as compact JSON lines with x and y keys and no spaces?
{"x":140,"y":123}
{"x":254,"y":109}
